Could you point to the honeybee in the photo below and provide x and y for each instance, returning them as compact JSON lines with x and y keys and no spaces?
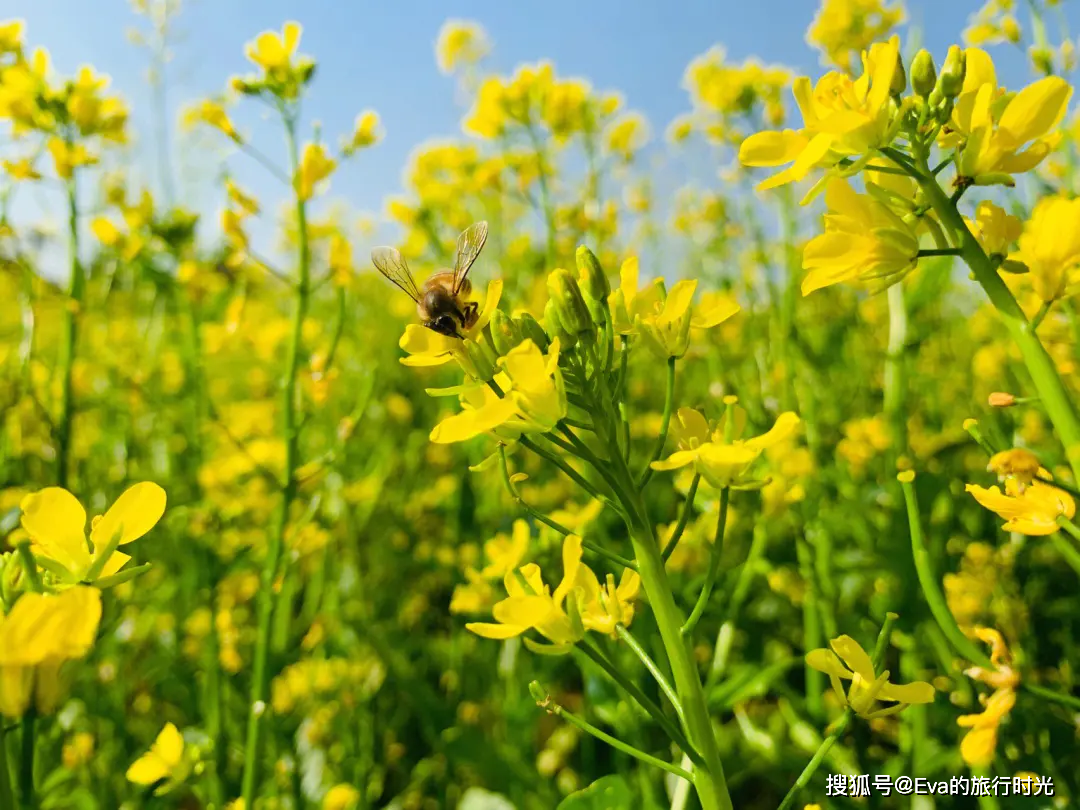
{"x":439,"y":304}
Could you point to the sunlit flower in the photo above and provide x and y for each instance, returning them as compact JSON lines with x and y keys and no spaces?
{"x":533,"y":401}
{"x":625,"y":136}
{"x":341,"y":797}
{"x":720,"y":462}
{"x":1016,"y":463}
{"x":164,"y":762}
{"x":842,"y":118}
{"x":843,"y":28}
{"x":864,"y":240}
{"x":1002,"y":135}
{"x":56,"y":523}
{"x":1050,"y":246}
{"x":977,"y":747}
{"x":366,"y":132}
{"x":272,"y":51}
{"x":995,"y":229}
{"x":68,"y":157}
{"x":460,"y":43}
{"x":22,"y":169}
{"x":847,"y":660}
{"x":212,"y":113}
{"x":664,"y":319}
{"x":1001,"y":675}
{"x":1034,"y":510}
{"x":315,"y":166}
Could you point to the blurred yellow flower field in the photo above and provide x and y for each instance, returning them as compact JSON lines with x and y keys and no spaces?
{"x":587,"y":491}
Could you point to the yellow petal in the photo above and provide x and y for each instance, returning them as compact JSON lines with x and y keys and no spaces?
{"x":824,"y":660}
{"x":495,"y":631}
{"x":134,"y":513}
{"x":147,"y":769}
{"x":676,"y":460}
{"x":854,"y":656}
{"x":491,"y":303}
{"x":783,"y":427}
{"x":772,"y":148}
{"x":977,"y":747}
{"x":44,"y":626}
{"x":473,"y":422}
{"x":169,"y":746}
{"x":678,"y":301}
{"x":1035,"y":111}
{"x":56,"y":521}
{"x":708,"y":317}
{"x":917,"y":692}
{"x":526,"y":611}
{"x":571,"y":554}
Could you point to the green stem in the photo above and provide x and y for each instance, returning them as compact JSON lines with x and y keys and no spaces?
{"x":1055,"y":397}
{"x":815,"y":761}
{"x":928,"y":580}
{"x":644,"y":701}
{"x":688,"y":507}
{"x":939,"y":252}
{"x":290,"y":429}
{"x":69,"y":338}
{"x":615,"y":742}
{"x":27,"y":797}
{"x":726,"y":634}
{"x":1049,"y":695}
{"x":29,"y":566}
{"x":545,"y":194}
{"x":7,"y":796}
{"x":1040,"y":316}
{"x":895,"y":383}
{"x":1064,"y":547}
{"x":665,"y":423}
{"x":714,"y":566}
{"x":812,"y":638}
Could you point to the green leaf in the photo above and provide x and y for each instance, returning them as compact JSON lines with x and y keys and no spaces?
{"x":607,"y":793}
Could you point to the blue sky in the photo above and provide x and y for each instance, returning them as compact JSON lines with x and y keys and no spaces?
{"x":380,"y":56}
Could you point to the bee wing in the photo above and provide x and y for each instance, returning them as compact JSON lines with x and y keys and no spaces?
{"x":388,"y":261}
{"x":469,"y":245}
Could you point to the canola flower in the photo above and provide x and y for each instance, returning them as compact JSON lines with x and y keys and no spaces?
{"x":1033,"y":510}
{"x":56,"y":524}
{"x":847,"y":660}
{"x":166,"y":762}
{"x":979,"y":743}
{"x":37,"y":637}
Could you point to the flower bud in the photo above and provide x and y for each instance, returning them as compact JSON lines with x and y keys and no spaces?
{"x":594,"y":283}
{"x":923,"y":73}
{"x":531,"y":329}
{"x":951,"y":80}
{"x":538,"y":692}
{"x":569,"y":304}
{"x":1001,"y":399}
{"x":553,"y":326}
{"x":899,"y":78}
{"x":505,"y":332}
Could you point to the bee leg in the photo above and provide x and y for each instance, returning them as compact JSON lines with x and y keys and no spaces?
{"x":469,"y":314}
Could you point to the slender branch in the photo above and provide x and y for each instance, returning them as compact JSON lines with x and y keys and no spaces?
{"x":714,"y":566}
{"x":29,"y":566}
{"x":654,"y":670}
{"x":1068,"y":701}
{"x":614,"y":742}
{"x":661,"y":440}
{"x":1040,"y":316}
{"x":265,"y":162}
{"x":684,"y":517}
{"x":939,"y":252}
{"x":815,"y":761}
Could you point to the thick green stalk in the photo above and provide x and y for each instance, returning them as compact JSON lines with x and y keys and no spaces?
{"x":27,"y":796}
{"x":7,"y":797}
{"x":290,"y":430}
{"x":69,"y":338}
{"x":1054,"y":396}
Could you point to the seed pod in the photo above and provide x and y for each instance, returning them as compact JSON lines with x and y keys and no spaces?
{"x":923,"y":73}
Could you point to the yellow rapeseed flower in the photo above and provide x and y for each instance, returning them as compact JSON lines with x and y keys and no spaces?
{"x":843,"y":28}
{"x":995,"y":229}
{"x":164,"y":762}
{"x":212,"y":113}
{"x":977,"y":747}
{"x":426,"y":347}
{"x":56,"y":523}
{"x":1018,"y":464}
{"x":847,"y":660}
{"x":533,"y":401}
{"x":366,"y":132}
{"x":460,"y":43}
{"x":664,"y":319}
{"x":41,"y":632}
{"x":1032,"y":510}
{"x":341,"y":797}
{"x":864,"y":240}
{"x":842,"y":117}
{"x":315,"y":166}
{"x":20,"y":170}
{"x":68,"y":157}
{"x":1050,"y":246}
{"x":11,"y":36}
{"x":722,"y":463}
{"x":272,"y":51}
